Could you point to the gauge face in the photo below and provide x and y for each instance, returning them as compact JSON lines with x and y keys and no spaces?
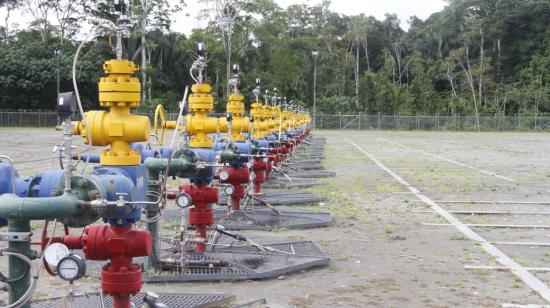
{"x":183,"y":200}
{"x":224,"y":175}
{"x":71,"y":268}
{"x":54,"y":253}
{"x":229,"y":190}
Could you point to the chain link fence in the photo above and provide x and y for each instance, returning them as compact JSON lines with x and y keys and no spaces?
{"x":341,"y":121}
{"x":433,"y":123}
{"x":49,"y":119}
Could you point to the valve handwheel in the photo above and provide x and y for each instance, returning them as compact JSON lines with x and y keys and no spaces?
{"x":44,"y":240}
{"x":160,"y":119}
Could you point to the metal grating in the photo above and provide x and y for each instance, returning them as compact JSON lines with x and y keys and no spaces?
{"x":246,"y":262}
{"x":312,"y":174}
{"x":283,"y":198}
{"x":92,"y":300}
{"x":239,"y":218}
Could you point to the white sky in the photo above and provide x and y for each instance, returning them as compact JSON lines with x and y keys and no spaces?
{"x":186,"y":20}
{"x":377,"y":8}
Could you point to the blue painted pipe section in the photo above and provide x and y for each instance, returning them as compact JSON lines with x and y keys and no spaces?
{"x":7,"y":181}
{"x":131,"y":181}
{"x":209,"y":156}
{"x":144,"y":149}
{"x":127,"y":182}
{"x":44,"y":184}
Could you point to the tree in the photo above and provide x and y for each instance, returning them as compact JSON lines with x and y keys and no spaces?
{"x":40,"y":11}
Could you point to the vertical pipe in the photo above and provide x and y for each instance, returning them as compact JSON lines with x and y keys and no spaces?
{"x":16,"y":266}
{"x":152,"y":212}
{"x":121,"y":300}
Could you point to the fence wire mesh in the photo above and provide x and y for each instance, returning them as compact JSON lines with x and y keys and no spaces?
{"x":433,"y":123}
{"x":342,"y":121}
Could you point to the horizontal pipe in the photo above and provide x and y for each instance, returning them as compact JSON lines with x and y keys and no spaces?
{"x":177,"y":165}
{"x":13,"y":207}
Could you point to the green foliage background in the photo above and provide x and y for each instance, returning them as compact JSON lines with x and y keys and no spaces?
{"x":396,"y":71}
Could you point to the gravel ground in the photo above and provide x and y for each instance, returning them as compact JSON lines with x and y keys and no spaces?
{"x":382,"y":252}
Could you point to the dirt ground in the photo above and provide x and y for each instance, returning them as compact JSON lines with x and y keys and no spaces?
{"x":382,"y":252}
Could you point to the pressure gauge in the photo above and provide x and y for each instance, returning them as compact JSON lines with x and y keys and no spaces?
{"x":54,"y":253}
{"x":183,"y":200}
{"x":71,"y":268}
{"x":229,"y":190}
{"x":224,"y":175}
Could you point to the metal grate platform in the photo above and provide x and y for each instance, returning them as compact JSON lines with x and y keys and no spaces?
{"x":266,"y":219}
{"x":303,"y":166}
{"x":311,"y":174}
{"x":92,"y":300}
{"x":262,"y":219}
{"x":284,"y":198}
{"x":284,"y":183}
{"x":245,"y":262}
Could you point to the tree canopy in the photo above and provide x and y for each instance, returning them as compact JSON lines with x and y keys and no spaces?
{"x":474,"y":57}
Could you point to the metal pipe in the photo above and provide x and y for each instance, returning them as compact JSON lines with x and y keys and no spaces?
{"x":13,"y":207}
{"x":154,"y":167}
{"x":18,"y":267}
{"x":177,"y":165}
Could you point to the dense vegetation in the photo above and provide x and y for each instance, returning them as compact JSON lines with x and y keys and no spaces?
{"x":474,"y":57}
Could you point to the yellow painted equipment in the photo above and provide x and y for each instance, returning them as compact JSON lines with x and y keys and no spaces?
{"x":199,"y":124}
{"x":273,"y":120}
{"x":257,"y":112}
{"x":240,"y":124}
{"x":119,"y":91}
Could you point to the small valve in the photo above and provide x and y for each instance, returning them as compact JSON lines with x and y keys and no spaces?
{"x":151,"y":300}
{"x":121,"y":201}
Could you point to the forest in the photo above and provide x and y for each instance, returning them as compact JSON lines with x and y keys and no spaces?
{"x":475,"y":57}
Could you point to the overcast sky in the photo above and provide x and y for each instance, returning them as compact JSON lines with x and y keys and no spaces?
{"x":403,"y":8}
{"x":186,"y":20}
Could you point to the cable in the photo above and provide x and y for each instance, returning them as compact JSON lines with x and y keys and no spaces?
{"x":75,"y":85}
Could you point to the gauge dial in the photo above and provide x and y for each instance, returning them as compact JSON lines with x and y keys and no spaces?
{"x":54,"y":253}
{"x":229,"y":189}
{"x":224,"y":175}
{"x":183,"y":200}
{"x":71,"y":268}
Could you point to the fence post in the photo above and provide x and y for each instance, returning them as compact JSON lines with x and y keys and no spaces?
{"x":359,"y":120}
{"x":378,"y":121}
{"x":340,"y":120}
{"x":20,"y":119}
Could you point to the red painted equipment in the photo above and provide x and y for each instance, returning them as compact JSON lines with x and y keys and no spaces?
{"x":201,"y":215}
{"x":260,"y":169}
{"x":120,"y":278}
{"x":237,"y":177}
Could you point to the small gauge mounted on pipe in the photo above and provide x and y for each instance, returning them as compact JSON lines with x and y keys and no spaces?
{"x":71,"y":267}
{"x":184,"y":200}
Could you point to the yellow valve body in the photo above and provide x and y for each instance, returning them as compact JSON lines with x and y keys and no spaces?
{"x":119,"y":91}
{"x":257,"y":112}
{"x":199,"y":124}
{"x":240,"y":124}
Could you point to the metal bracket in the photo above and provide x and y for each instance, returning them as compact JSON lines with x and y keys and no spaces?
{"x":16,"y":236}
